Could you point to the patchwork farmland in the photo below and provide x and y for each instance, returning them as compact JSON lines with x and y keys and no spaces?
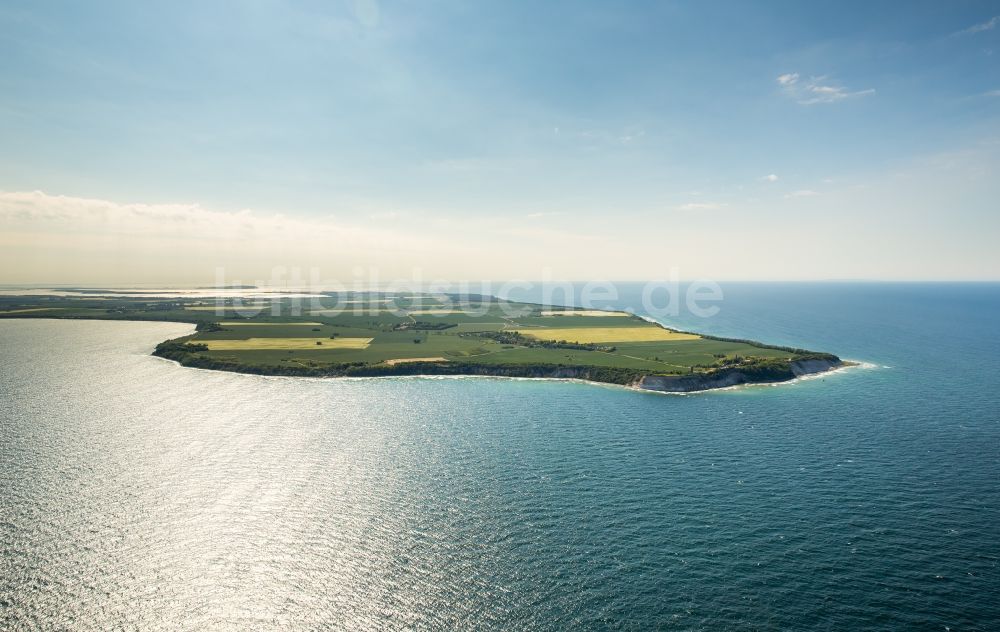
{"x":375,"y":334}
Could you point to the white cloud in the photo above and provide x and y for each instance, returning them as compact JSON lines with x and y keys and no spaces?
{"x":817,"y":90}
{"x":802,"y":193}
{"x":831,"y":94}
{"x":993,"y":93}
{"x":988,"y":25}
{"x":62,"y":239}
{"x":770,"y":178}
{"x":92,"y":216}
{"x":700,"y":206}
{"x":70,"y":237}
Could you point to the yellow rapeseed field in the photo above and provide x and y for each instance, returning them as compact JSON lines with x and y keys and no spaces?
{"x":257,"y":323}
{"x":30,"y":309}
{"x":587,"y":335}
{"x":582,"y":312}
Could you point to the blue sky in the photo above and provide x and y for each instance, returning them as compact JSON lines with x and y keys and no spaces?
{"x":659,"y":133}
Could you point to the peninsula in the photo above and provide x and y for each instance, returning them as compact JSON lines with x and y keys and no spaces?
{"x":380,"y":334}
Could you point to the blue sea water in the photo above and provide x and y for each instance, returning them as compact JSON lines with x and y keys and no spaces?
{"x":137,"y":494}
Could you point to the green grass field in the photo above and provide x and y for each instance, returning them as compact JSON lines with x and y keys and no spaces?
{"x":285,"y":344}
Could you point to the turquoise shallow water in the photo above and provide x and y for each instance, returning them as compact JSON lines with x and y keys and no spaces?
{"x":136,"y":494}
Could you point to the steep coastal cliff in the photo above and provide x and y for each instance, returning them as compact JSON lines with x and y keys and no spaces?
{"x":734,"y":377}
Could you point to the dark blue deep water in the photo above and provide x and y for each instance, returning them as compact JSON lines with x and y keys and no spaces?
{"x":136,"y":494}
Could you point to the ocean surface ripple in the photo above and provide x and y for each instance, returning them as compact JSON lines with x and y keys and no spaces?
{"x":137,"y":494}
